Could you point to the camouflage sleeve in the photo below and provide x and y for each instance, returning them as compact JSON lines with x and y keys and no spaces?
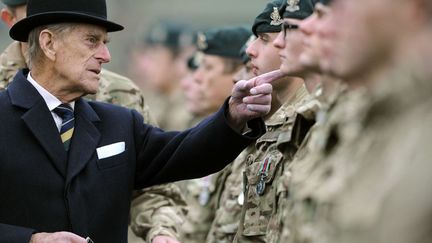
{"x":11,"y":61}
{"x":158,"y":210}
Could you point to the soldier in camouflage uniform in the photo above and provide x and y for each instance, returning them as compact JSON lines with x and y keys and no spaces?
{"x":158,"y":65}
{"x":265,"y":162}
{"x":330,"y":101}
{"x":364,"y":177}
{"x":220,"y":60}
{"x":159,"y":204}
{"x":372,"y":184}
{"x":229,"y":195}
{"x":324,"y":91}
{"x":191,"y":91}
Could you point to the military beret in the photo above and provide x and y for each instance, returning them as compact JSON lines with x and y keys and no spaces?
{"x":325,"y":2}
{"x":225,"y":42}
{"x":169,"y":34}
{"x":298,"y":9}
{"x":269,"y":20}
{"x":14,"y":3}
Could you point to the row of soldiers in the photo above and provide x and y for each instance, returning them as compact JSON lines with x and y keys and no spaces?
{"x":346,"y":155}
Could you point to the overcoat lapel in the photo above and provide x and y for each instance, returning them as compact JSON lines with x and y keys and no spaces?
{"x":44,"y":129}
{"x":84,"y":140}
{"x":39,"y":120}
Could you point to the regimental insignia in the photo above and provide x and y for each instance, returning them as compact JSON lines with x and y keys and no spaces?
{"x":275,"y":17}
{"x":201,"y":41}
{"x":292,"y":6}
{"x":263,"y":173}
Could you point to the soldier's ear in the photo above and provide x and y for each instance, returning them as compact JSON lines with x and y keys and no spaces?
{"x":8,"y":17}
{"x":47,"y":44}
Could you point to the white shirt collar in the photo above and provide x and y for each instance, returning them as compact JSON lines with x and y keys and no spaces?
{"x":51,"y":101}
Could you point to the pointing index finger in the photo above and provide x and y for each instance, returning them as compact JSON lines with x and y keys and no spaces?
{"x":268,"y":77}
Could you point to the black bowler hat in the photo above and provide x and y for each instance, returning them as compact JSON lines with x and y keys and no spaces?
{"x":44,"y":12}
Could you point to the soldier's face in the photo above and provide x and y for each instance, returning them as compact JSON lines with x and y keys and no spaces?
{"x":245,"y":73}
{"x":214,"y":81}
{"x":11,"y":16}
{"x":312,"y":44}
{"x":78,"y":59}
{"x":263,"y":55}
{"x":192,"y":93}
{"x":360,"y":36}
{"x":290,"y":44}
{"x":156,"y":67}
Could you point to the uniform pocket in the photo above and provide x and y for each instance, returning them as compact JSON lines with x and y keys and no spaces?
{"x":260,"y":194}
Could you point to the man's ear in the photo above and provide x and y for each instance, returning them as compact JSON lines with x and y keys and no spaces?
{"x":47,"y":44}
{"x":7,"y":17}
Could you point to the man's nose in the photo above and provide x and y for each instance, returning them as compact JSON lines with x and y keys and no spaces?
{"x":279,"y":41}
{"x":103,"y":54}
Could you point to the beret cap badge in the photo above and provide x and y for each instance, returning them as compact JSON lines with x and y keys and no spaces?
{"x":201,"y":41}
{"x":292,"y":6}
{"x":275,"y":17}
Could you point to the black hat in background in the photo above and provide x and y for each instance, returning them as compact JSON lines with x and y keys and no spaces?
{"x":225,"y":42}
{"x":44,"y":12}
{"x":325,"y":2}
{"x":269,"y":20}
{"x":169,"y":34}
{"x":298,"y":9}
{"x":14,"y":3}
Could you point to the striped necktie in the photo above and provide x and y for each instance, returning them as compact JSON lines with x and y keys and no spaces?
{"x":65,"y":112}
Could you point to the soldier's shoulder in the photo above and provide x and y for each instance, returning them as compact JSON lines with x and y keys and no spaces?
{"x":12,"y":54}
{"x":115,"y":79}
{"x":11,"y":60}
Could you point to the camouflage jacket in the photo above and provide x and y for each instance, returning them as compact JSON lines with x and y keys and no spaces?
{"x":383,"y":172}
{"x":200,"y":198}
{"x":122,"y":91}
{"x":230,"y":198}
{"x":169,"y":110}
{"x":11,"y":60}
{"x":273,"y":151}
{"x":305,"y":159}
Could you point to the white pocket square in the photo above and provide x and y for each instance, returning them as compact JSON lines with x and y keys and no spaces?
{"x":110,"y":150}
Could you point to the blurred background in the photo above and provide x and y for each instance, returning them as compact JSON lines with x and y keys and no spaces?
{"x":139,"y":15}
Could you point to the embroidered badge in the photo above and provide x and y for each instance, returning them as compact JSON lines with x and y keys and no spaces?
{"x":275,"y":17}
{"x":201,"y":41}
{"x":292,"y":6}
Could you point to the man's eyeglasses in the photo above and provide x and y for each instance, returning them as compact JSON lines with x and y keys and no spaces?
{"x":288,"y":26}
